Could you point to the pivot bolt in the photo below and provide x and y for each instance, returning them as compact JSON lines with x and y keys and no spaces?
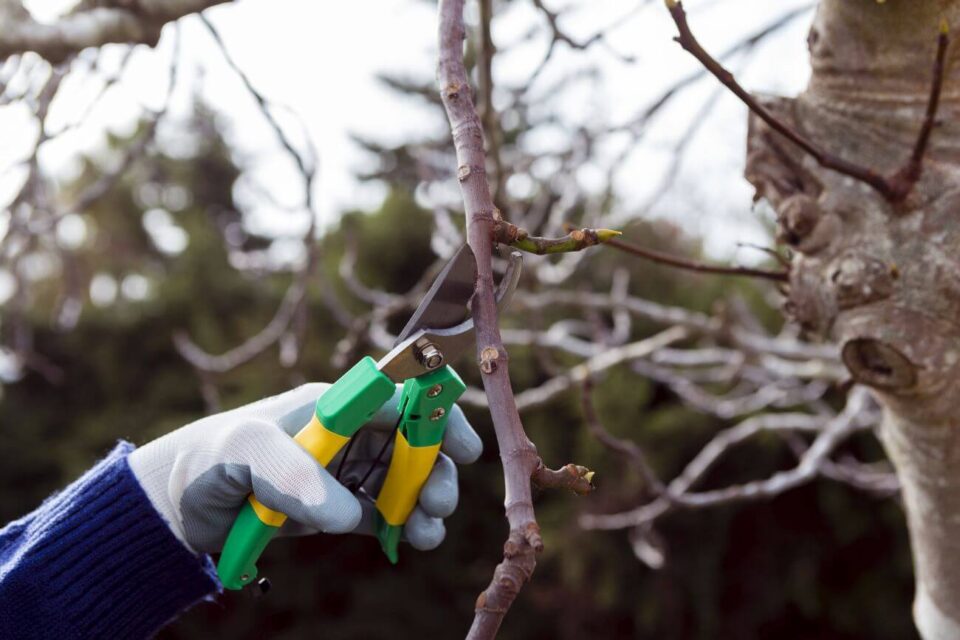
{"x":435,"y":391}
{"x":429,"y":356}
{"x":438,"y":413}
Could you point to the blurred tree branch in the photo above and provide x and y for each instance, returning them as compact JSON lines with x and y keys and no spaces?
{"x":90,"y":24}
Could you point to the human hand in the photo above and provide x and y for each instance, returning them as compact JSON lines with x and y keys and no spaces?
{"x":198,"y":476}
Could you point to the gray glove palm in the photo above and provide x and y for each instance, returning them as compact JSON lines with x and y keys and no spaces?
{"x":198,"y":476}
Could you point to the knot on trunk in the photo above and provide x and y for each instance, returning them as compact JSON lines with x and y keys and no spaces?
{"x":879,"y":365}
{"x":804,"y":225}
{"x":859,"y":279}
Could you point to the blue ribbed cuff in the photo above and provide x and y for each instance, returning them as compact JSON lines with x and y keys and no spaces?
{"x":98,"y":561}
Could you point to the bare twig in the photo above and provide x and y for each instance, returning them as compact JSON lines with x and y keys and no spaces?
{"x":603,"y":360}
{"x":253,"y":346}
{"x":693,"y":265}
{"x":831,"y":433}
{"x":282,"y":324}
{"x":559,"y":35}
{"x":904,"y":180}
{"x":627,"y":448}
{"x":689,"y":42}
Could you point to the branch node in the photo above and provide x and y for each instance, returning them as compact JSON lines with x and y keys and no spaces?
{"x":575,"y":477}
{"x":488,"y":359}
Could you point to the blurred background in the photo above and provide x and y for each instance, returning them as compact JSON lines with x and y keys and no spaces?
{"x":284,"y":171}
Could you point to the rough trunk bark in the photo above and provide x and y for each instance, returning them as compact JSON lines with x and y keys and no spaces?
{"x":884,"y":279}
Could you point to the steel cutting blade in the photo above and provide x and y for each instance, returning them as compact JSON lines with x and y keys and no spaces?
{"x":445,"y":303}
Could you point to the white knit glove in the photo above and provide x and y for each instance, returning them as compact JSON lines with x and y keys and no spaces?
{"x":198,"y":476}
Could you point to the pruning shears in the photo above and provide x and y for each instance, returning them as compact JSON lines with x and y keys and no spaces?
{"x":437,"y":332}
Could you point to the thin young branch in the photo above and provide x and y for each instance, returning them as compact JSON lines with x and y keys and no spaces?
{"x":559,"y":35}
{"x":627,"y":448}
{"x":903,"y":180}
{"x":693,"y":265}
{"x":306,"y":162}
{"x":576,"y":240}
{"x":689,"y":42}
{"x":283,"y":323}
{"x":646,"y":115}
{"x":253,"y":346}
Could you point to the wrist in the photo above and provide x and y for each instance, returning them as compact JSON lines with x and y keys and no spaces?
{"x":152,"y":466}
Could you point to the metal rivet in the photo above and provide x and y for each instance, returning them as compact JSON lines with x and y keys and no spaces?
{"x":435,"y":391}
{"x":244,"y":578}
{"x":438,"y":413}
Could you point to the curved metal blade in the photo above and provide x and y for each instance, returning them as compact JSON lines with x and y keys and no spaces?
{"x":402,"y":362}
{"x":445,"y":303}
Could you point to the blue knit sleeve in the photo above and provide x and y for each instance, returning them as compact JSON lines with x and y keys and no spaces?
{"x":97,"y":561}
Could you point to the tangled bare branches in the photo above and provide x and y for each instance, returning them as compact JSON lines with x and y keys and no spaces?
{"x":578,"y":318}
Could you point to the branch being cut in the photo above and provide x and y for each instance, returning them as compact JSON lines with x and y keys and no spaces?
{"x":517,"y":452}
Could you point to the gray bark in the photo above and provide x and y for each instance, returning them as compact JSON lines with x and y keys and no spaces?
{"x":883,"y":279}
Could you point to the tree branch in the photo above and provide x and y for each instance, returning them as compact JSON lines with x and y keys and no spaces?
{"x":627,"y":448}
{"x":576,"y":240}
{"x":517,"y":452}
{"x":294,"y":300}
{"x":689,"y":42}
{"x":693,"y":265}
{"x":488,"y":114}
{"x":903,"y":181}
{"x":136,"y":21}
{"x":574,"y":477}
{"x":831,"y":433}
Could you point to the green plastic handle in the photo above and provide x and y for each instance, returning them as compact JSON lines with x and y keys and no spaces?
{"x":425,"y":406}
{"x":247,"y":540}
{"x":345,"y":407}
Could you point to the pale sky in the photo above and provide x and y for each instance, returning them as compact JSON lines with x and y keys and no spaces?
{"x":320,"y":59}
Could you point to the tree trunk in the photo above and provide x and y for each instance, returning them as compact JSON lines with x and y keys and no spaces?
{"x":881,"y":278}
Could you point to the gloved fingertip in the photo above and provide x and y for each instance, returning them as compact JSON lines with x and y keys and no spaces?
{"x":423,"y":532}
{"x":461,"y":442}
{"x":343,"y":518}
{"x":440,"y":494}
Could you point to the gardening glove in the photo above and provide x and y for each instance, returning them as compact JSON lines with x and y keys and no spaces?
{"x":199,"y":476}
